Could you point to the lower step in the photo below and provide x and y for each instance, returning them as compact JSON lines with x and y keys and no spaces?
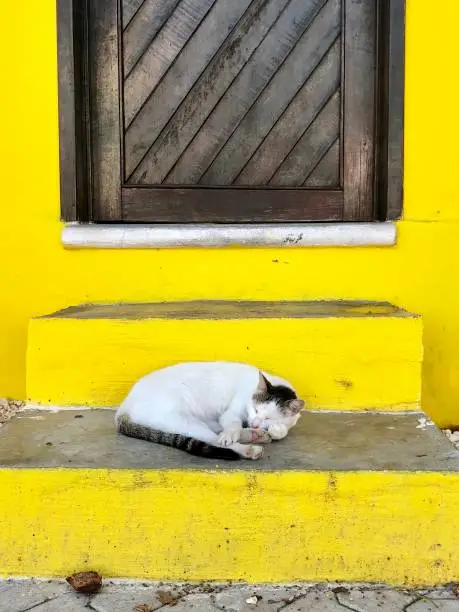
{"x":339,"y":355}
{"x":354,"y":497}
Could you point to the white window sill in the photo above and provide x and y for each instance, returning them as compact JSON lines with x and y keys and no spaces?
{"x":126,"y":236}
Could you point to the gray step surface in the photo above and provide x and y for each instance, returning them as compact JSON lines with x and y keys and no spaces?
{"x":233,"y":309}
{"x":330,"y":441}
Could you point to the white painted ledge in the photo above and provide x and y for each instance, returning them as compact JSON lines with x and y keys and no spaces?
{"x":126,"y":236}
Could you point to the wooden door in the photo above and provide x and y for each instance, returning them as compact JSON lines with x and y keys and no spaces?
{"x":232,"y":110}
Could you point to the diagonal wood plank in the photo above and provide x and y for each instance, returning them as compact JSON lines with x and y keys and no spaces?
{"x":244,"y":91}
{"x":311,"y":147}
{"x":326,"y":173}
{"x":179,"y":79}
{"x":143,"y":28}
{"x":209,"y":88}
{"x":274,"y":99}
{"x":161,"y":53}
{"x":128,"y":9}
{"x":294,"y":121}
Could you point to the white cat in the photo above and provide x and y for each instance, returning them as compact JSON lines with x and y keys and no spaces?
{"x":210,"y":408}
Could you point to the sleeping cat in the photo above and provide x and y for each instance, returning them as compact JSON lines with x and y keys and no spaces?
{"x":210,"y":409}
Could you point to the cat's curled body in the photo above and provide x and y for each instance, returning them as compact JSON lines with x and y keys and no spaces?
{"x":210,"y":408}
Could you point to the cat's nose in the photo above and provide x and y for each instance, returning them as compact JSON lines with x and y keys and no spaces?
{"x":256,"y":423}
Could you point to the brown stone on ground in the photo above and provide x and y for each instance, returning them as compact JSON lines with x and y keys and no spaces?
{"x":167,"y":598}
{"x":85,"y":582}
{"x":143,"y":608}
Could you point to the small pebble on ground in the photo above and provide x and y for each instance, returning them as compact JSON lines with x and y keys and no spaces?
{"x":453,"y":436}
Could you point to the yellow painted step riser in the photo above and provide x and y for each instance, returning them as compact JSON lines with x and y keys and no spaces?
{"x":399,"y":528}
{"x":335,"y":363}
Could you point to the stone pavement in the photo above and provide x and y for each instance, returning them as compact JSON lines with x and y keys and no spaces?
{"x":53,"y":596}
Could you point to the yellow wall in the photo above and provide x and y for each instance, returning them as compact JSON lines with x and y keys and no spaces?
{"x":421,"y":273}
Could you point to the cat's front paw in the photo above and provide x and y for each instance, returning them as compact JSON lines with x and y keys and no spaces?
{"x":228,"y":437}
{"x":257,"y":436}
{"x":277,"y":431}
{"x":252,"y":451}
{"x":260,"y":436}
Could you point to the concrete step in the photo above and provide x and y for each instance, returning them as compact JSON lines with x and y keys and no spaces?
{"x":357,"y":496}
{"x":339,"y":355}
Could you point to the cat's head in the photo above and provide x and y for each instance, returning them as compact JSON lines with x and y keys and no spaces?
{"x":276,"y":403}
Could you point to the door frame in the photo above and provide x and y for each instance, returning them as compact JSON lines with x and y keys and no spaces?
{"x":77,"y":128}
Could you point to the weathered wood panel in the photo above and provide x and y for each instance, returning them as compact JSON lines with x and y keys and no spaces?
{"x":235,"y":110}
{"x":142,"y":29}
{"x":299,"y":115}
{"x":359,"y":104}
{"x":265,"y":59}
{"x":129,"y":8}
{"x":244,"y":91}
{"x":231,"y":205}
{"x":105,"y":116}
{"x":326,"y":172}
{"x":160,"y":54}
{"x":311,"y":147}
{"x":205,"y":95}
{"x":171,"y":92}
{"x":274,"y":99}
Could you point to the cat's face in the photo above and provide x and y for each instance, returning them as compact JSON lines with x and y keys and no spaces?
{"x":273,"y":404}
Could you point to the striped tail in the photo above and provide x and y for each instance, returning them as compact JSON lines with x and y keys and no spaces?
{"x":185,"y":443}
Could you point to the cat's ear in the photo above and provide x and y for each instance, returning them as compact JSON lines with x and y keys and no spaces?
{"x":294,"y":406}
{"x":263,"y":384}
